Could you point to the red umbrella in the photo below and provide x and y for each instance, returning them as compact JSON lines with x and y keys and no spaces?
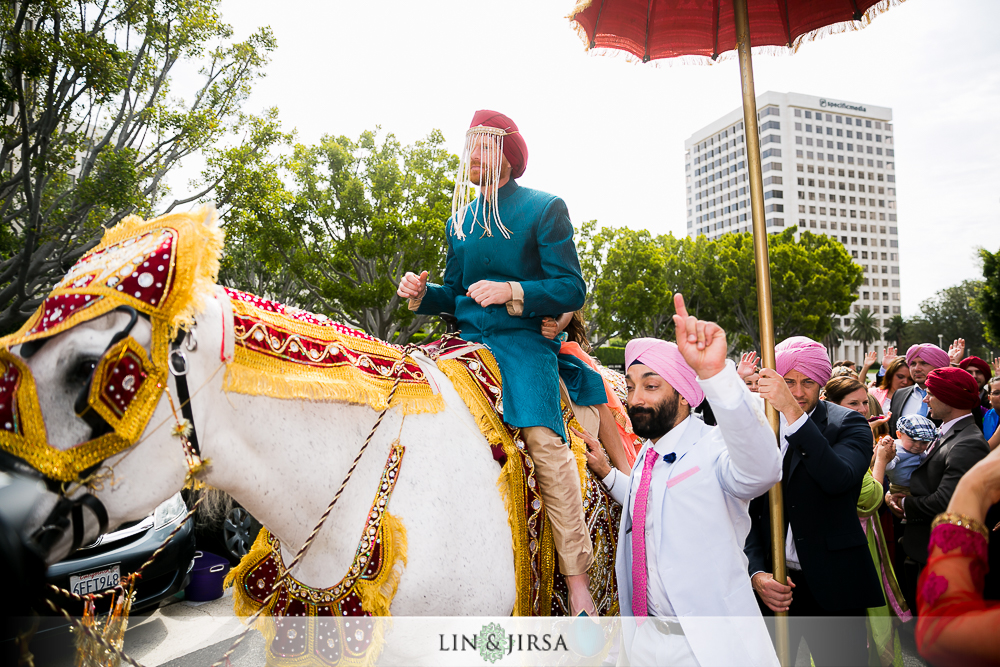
{"x":706,"y":29}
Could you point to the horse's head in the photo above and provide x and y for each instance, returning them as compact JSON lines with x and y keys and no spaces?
{"x":87,"y":377}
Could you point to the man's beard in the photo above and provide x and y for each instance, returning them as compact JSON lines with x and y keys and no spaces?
{"x":656,"y":422}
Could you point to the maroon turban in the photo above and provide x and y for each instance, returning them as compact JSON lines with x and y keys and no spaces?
{"x":954,"y":387}
{"x":976,"y":362}
{"x":514,"y":148}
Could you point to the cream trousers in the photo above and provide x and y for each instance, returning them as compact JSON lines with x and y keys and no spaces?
{"x":559,"y":485}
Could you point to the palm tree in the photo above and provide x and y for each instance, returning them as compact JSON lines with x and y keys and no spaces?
{"x":864,"y":330}
{"x":835,"y":337}
{"x":895,"y":330}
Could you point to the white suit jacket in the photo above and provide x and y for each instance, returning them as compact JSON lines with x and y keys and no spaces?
{"x":704,"y":525}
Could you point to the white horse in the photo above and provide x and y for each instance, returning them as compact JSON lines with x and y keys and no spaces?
{"x":284,"y":459}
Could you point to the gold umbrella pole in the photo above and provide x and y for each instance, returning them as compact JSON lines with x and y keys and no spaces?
{"x":763,"y":297}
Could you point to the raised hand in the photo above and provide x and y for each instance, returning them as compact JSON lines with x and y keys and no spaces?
{"x":996,"y":367}
{"x":701,"y":343}
{"x":887,"y":356}
{"x":412,"y":286}
{"x":870,"y":359}
{"x":747,"y":365}
{"x":957,"y":350}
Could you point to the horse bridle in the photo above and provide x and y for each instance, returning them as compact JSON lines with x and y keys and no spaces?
{"x":68,"y":512}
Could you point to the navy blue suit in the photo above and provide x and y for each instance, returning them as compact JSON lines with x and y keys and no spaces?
{"x":823,"y":469}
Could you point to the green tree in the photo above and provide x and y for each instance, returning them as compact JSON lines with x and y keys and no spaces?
{"x":988,"y":301}
{"x":864,"y":329}
{"x":630,"y":296}
{"x":364,"y":213}
{"x":92,"y":125}
{"x":952,"y":313}
{"x":812,"y":278}
{"x":895,"y":330}
{"x":632,"y":276}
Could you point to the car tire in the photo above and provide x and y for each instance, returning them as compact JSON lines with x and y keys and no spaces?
{"x":239,"y":530}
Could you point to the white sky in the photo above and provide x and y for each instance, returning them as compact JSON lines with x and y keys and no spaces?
{"x":608,"y":135}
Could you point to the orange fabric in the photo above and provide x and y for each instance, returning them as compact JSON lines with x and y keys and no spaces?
{"x":631,"y":443}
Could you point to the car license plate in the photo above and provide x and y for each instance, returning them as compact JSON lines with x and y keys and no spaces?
{"x":95,"y":582}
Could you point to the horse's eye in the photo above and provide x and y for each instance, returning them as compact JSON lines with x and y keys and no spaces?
{"x":83,"y":370}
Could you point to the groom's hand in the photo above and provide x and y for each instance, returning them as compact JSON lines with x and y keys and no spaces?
{"x":490,"y":293}
{"x":701,"y":343}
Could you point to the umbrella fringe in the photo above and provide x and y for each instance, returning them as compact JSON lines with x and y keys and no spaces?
{"x":771,"y":50}
{"x":846,"y":26}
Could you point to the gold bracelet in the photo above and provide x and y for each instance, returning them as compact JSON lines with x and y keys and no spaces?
{"x":962,"y":521}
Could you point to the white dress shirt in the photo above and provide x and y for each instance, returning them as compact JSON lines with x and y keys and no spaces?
{"x":914,"y":401}
{"x":657,"y":600}
{"x":791,"y":556}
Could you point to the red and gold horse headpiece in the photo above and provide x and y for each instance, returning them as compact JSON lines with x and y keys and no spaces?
{"x":164,"y":269}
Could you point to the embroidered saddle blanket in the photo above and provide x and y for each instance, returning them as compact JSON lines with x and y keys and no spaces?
{"x":541,"y":588}
{"x":285,"y":352}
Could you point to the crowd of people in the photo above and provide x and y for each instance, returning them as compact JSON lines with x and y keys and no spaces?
{"x":888,"y":487}
{"x":933,"y":418}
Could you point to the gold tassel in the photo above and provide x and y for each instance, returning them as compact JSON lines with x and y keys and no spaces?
{"x":90,"y":652}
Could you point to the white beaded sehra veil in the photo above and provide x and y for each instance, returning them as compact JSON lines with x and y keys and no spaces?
{"x":491,"y":168}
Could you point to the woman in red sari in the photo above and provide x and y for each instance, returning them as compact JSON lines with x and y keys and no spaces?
{"x":955,"y":625}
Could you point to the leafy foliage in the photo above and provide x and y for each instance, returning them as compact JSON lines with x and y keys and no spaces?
{"x":365,"y":213}
{"x":951,"y":313}
{"x":92,"y":125}
{"x":988,"y":301}
{"x":632,"y":275}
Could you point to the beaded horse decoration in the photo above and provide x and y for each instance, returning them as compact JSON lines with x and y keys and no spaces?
{"x":164,"y":269}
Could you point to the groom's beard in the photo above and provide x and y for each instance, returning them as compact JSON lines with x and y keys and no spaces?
{"x":654,"y":423}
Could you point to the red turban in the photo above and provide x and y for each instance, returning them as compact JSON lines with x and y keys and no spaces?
{"x":976,"y":362}
{"x":514,"y":148}
{"x":954,"y":387}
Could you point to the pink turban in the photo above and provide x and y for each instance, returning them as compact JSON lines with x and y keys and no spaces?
{"x":666,"y":361}
{"x":929,"y":353}
{"x":805,"y":356}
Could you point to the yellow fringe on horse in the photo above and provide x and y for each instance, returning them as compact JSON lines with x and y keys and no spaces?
{"x":376,"y":595}
{"x":511,"y":482}
{"x":253,"y":374}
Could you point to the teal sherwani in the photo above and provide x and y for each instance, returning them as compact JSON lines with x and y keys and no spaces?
{"x":541,"y":256}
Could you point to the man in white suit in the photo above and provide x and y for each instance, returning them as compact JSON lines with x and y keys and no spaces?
{"x":683,"y":586}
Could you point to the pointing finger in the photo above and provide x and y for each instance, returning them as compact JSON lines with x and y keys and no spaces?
{"x":679,"y":305}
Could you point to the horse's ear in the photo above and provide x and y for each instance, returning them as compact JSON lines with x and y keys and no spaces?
{"x":207,"y":214}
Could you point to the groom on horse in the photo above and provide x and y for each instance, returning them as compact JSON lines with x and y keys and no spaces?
{"x":511,"y":262}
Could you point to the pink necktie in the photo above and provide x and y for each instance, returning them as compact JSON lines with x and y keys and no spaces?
{"x":639,"y":537}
